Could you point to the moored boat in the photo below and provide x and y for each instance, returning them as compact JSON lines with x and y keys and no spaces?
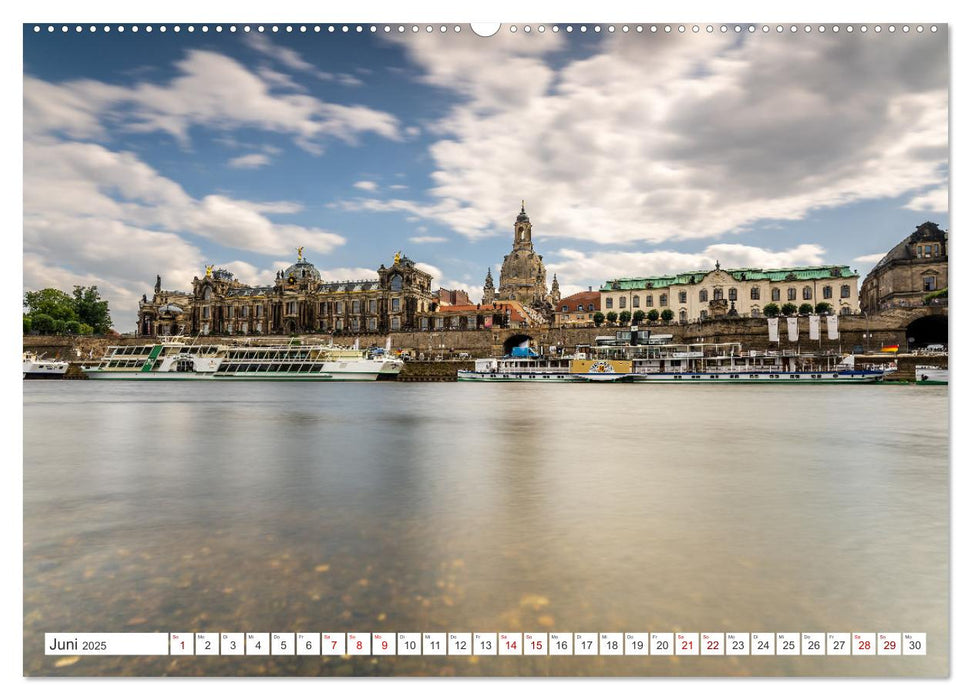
{"x":36,"y":367}
{"x":928,"y":374}
{"x":178,"y":359}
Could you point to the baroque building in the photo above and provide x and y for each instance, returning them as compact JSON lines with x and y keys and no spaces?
{"x":523,"y":274}
{"x":694,"y":296}
{"x":913,"y":269}
{"x":298,"y":301}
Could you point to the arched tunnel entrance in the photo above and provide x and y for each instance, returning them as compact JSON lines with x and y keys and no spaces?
{"x":927,"y":330}
{"x":515,"y":341}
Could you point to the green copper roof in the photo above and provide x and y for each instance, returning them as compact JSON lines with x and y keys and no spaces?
{"x":786,"y":274}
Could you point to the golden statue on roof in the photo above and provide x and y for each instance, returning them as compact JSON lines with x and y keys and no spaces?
{"x":209,"y":270}
{"x":397,"y":257}
{"x":299,"y":253}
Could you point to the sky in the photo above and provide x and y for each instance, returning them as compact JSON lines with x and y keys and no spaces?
{"x":636,"y":153}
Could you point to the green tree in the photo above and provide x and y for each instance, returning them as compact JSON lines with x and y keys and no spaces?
{"x":598,"y":319}
{"x":771,"y":309}
{"x":639,"y":316}
{"x":611,"y":317}
{"x":72,"y":327}
{"x":653,"y":315}
{"x":86,"y":329}
{"x":27,"y":324}
{"x":52,"y":303}
{"x":625,"y":318}
{"x":667,"y":315}
{"x":42,"y":323}
{"x":91,"y":309}
{"x":824,"y":307}
{"x":805,"y":309}
{"x":788,"y":309}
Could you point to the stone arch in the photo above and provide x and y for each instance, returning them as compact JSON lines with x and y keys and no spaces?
{"x":927,"y":330}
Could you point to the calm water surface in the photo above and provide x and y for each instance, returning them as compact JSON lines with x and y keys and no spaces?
{"x":272,"y":507}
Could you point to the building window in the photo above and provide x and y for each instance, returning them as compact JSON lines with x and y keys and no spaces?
{"x":682,"y":297}
{"x":703,"y":296}
{"x":565,"y":309}
{"x":623,"y":302}
{"x":355,"y":323}
{"x":396,"y":323}
{"x":827,"y":292}
{"x":683,"y":316}
{"x":610,"y":302}
{"x":340,"y":324}
{"x":846,"y":311}
{"x":372,"y":324}
{"x":664,"y":300}
{"x":396,"y":304}
{"x":423,"y":323}
{"x":733,"y":294}
{"x":807,"y":293}
{"x":775,"y":294}
{"x":471,"y":323}
{"x":291,"y":307}
{"x":755,"y":293}
{"x":396,"y":283}
{"x":937,"y":249}
{"x":229,"y":327}
{"x":244,"y":328}
{"x":718,"y":294}
{"x":340,"y":307}
{"x":372,"y":306}
{"x":355,"y":307}
{"x":649,"y":300}
{"x":930,"y":284}
{"x":845,"y":291}
{"x":205,"y":312}
{"x":439,"y":322}
{"x":637,"y":301}
{"x":791,"y":294}
{"x":704,"y":315}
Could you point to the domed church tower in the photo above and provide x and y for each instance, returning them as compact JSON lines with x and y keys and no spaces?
{"x":523,"y":275}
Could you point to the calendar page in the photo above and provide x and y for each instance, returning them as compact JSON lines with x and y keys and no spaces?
{"x":535,"y":348}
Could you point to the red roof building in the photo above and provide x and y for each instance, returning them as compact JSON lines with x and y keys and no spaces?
{"x":577,"y":309}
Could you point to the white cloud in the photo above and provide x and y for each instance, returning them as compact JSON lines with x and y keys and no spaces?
{"x":398,"y":187}
{"x":594,"y":268}
{"x":367,"y":185}
{"x":428,"y":239}
{"x":677,"y":137}
{"x":343,"y":274}
{"x":249,"y":161}
{"x":210,"y":89}
{"x":872,"y":259}
{"x":435,"y":272}
{"x":934,"y":201}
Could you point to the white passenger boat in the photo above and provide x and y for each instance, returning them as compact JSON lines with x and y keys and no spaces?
{"x":927,"y":374}
{"x":36,"y":367}
{"x":177,"y":359}
{"x":725,"y":363}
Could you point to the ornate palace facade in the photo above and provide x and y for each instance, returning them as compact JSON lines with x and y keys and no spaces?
{"x":297,"y":302}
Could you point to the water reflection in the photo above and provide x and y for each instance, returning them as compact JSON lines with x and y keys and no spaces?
{"x":281,"y":507}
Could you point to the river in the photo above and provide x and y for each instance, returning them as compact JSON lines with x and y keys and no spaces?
{"x":283,"y":507}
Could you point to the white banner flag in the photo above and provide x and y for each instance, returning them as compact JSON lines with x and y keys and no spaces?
{"x":832,"y":327}
{"x":773,"y":330}
{"x":814,"y":327}
{"x":793,"y":323}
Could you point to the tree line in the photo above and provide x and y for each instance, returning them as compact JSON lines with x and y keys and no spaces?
{"x":667,"y":315}
{"x":54,"y":312}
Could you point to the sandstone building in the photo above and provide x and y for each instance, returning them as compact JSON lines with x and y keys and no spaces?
{"x":913,"y":269}
{"x":701,"y":295}
{"x":298,"y":301}
{"x":523,"y":274}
